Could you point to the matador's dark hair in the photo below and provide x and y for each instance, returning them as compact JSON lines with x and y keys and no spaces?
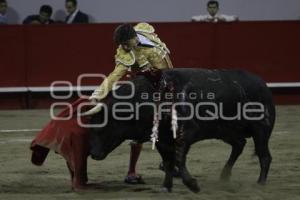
{"x":123,"y":33}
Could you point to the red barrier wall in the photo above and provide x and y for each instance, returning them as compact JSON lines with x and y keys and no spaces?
{"x":13,"y":69}
{"x":38,"y":55}
{"x":63,"y":53}
{"x":269,"y":49}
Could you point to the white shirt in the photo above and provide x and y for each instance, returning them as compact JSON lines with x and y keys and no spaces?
{"x":216,"y":18}
{"x":144,"y":40}
{"x":72,"y":17}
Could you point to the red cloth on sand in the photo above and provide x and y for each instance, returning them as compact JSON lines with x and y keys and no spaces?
{"x":62,"y":135}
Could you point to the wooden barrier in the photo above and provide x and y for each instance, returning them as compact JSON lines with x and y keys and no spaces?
{"x":35,"y":56}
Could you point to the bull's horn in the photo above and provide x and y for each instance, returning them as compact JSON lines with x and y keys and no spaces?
{"x":93,"y":110}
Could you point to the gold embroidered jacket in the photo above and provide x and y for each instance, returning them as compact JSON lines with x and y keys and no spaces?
{"x":144,"y":57}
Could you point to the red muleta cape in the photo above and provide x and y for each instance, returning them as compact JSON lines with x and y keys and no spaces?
{"x":65,"y":137}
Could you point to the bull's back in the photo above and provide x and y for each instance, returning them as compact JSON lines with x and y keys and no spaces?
{"x":221,"y":81}
{"x":229,"y":87}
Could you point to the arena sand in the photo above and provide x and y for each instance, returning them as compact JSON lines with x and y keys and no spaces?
{"x":19,"y":179}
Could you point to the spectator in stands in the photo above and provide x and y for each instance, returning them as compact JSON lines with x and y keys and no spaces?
{"x":213,"y":16}
{"x":44,"y":17}
{"x":75,"y":16}
{"x":3,"y":10}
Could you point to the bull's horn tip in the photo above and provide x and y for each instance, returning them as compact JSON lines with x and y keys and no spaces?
{"x":93,"y":110}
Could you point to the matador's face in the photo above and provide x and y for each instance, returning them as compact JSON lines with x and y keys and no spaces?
{"x":130,"y":44}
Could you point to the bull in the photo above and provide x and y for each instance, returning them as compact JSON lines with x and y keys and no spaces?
{"x":229,"y":105}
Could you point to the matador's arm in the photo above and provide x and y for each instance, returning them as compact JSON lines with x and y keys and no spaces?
{"x":106,"y":86}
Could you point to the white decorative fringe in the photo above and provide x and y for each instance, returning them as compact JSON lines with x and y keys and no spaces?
{"x":154,"y":136}
{"x":174,"y":122}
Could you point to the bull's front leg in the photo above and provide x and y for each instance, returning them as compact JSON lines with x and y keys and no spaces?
{"x":187,"y":179}
{"x":167,"y":153}
{"x":182,"y":148}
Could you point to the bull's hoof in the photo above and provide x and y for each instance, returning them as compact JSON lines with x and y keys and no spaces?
{"x":262,"y":182}
{"x":165,"y":190}
{"x":225,"y":175}
{"x":192,"y":185}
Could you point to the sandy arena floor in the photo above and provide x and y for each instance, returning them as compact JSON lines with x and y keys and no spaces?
{"x":19,"y":179}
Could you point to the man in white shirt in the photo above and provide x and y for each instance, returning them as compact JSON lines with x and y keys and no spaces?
{"x":213,"y":16}
{"x":3,"y":10}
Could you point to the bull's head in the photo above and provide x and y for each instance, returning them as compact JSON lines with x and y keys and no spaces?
{"x":98,"y":147}
{"x":104,"y":140}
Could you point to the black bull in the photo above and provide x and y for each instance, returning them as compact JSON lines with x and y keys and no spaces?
{"x":230,"y":105}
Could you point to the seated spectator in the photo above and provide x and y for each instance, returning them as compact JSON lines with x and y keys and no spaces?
{"x":213,"y":16}
{"x":3,"y":10}
{"x":75,"y":16}
{"x":44,"y":16}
